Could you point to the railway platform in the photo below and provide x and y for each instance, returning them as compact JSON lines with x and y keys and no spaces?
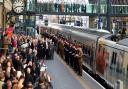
{"x":63,"y":77}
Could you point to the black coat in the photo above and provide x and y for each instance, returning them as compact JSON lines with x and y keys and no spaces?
{"x":28,"y":78}
{"x":18,"y":65}
{"x":41,"y":50}
{"x":29,"y":57}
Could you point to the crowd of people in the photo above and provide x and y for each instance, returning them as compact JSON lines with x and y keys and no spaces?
{"x":22,"y":62}
{"x":70,"y":51}
{"x":22,"y":59}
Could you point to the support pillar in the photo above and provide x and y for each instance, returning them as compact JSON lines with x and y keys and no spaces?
{"x":108,"y":15}
{"x":1,"y":16}
{"x":3,"y":11}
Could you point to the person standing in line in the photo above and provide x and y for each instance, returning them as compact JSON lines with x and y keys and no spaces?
{"x":66,"y":50}
{"x":80,"y":60}
{"x":14,"y":42}
{"x":51,"y":50}
{"x":2,"y":78}
{"x":5,"y":44}
{"x":58,"y":46}
{"x":70,"y":54}
{"x":47,"y":48}
{"x":62,"y":49}
{"x":73,"y":57}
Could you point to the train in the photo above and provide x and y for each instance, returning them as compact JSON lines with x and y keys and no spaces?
{"x":102,"y":56}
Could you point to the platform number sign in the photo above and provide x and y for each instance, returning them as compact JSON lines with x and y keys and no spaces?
{"x":18,"y":6}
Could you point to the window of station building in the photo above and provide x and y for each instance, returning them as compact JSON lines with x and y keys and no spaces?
{"x":114,"y":56}
{"x":119,"y":2}
{"x":91,"y":8}
{"x":103,"y":6}
{"x":30,"y":5}
{"x":119,"y":6}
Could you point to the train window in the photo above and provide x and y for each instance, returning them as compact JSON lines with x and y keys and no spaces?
{"x":114,"y":55}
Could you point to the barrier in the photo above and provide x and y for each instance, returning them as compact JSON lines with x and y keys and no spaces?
{"x":3,"y":48}
{"x":93,"y":82}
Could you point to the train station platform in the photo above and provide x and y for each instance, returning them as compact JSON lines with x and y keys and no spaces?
{"x":63,"y":77}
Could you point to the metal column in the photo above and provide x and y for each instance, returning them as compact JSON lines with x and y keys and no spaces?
{"x":99,"y":17}
{"x":3,"y":14}
{"x":108,"y":15}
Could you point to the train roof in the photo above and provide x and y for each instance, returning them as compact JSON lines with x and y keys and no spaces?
{"x":123,"y":42}
{"x":83,"y":32}
{"x":92,"y":31}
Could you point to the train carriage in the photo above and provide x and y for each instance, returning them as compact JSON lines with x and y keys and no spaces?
{"x":107,"y":57}
{"x":114,"y":63}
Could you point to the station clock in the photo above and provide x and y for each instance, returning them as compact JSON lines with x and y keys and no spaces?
{"x":18,"y":6}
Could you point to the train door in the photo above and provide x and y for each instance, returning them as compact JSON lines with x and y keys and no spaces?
{"x":102,"y":58}
{"x":117,"y":65}
{"x":125,"y":64}
{"x":88,"y":51}
{"x":113,"y":60}
{"x":117,"y":59}
{"x":119,"y":62}
{"x":114,"y":70}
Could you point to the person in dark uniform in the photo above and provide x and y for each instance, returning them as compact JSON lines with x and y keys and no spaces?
{"x":61,"y":49}
{"x":73,"y":57}
{"x":55,"y":42}
{"x":43,"y":49}
{"x":51,"y":46}
{"x":66,"y":51}
{"x":39,"y":48}
{"x":58,"y":45}
{"x":69,"y":53}
{"x":76,"y":59}
{"x":91,"y":55}
{"x":47,"y":49}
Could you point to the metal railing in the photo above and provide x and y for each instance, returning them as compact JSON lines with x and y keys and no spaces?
{"x":119,"y":9}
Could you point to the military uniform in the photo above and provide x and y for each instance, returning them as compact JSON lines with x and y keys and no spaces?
{"x":80,"y":60}
{"x":76,"y":61}
{"x":51,"y":50}
{"x":58,"y":46}
{"x":66,"y":51}
{"x":61,"y":49}
{"x":72,"y":56}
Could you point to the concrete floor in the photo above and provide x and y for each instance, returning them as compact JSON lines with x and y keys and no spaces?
{"x":63,"y":76}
